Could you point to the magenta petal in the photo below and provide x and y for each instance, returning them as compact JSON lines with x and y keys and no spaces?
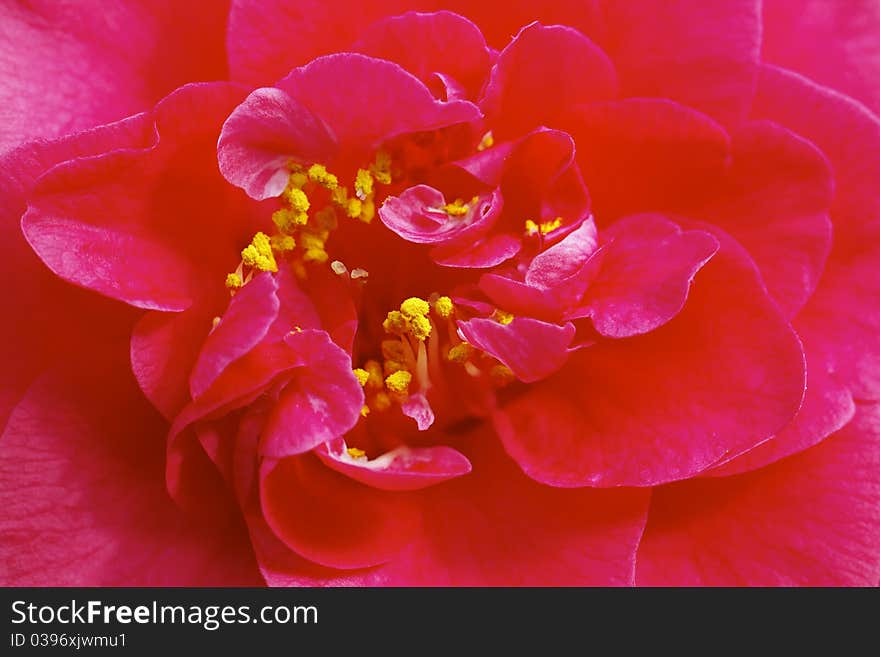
{"x":668,"y":404}
{"x":418,"y":408}
{"x":82,"y":495}
{"x":542,"y":72}
{"x":563,"y":260}
{"x":482,"y":253}
{"x":340,"y":523}
{"x":390,"y":101}
{"x":404,"y":468}
{"x":429,"y":44}
{"x":66,"y":67}
{"x":646,"y":272}
{"x":810,"y":520}
{"x":164,"y":348}
{"x":775,"y":200}
{"x":123,"y":224}
{"x":320,"y":403}
{"x":532,"y":349}
{"x":828,"y":406}
{"x":243,"y":325}
{"x":702,"y":54}
{"x":417,"y":215}
{"x":849,"y":59}
{"x":260,"y":137}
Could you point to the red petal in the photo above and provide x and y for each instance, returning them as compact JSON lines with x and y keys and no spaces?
{"x":811,"y":519}
{"x":668,"y":404}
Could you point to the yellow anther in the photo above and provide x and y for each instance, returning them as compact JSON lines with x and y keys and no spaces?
{"x":501,"y":375}
{"x":318,"y":174}
{"x":363,"y":184}
{"x":502,"y":316}
{"x":287,"y":220}
{"x":368,"y":211}
{"x":258,"y":254}
{"x":282,"y":243}
{"x":375,"y":382}
{"x":414,"y":307}
{"x":420,"y":327}
{"x":395,"y":323}
{"x":233,"y":281}
{"x":457,"y":208}
{"x":488,"y":141}
{"x":381,"y":168}
{"x":313,"y":240}
{"x":393,"y":349}
{"x":361,"y":375}
{"x":392,"y":366}
{"x":460,"y":353}
{"x":354,"y":452}
{"x":298,"y":200}
{"x":353,"y":208}
{"x":365,"y":410}
{"x":215,"y":322}
{"x":315,"y":255}
{"x":443,"y":307}
{"x":297,"y":180}
{"x":381,"y":402}
{"x":544,"y":227}
{"x":399,"y":382}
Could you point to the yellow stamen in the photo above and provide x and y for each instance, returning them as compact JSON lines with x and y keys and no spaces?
{"x":287,"y":220}
{"x":443,"y":307}
{"x":502,"y":316}
{"x":399,"y":382}
{"x":457,"y":208}
{"x":361,"y":375}
{"x":460,"y":353}
{"x":365,"y":410}
{"x":420,"y":327}
{"x":354,"y":452}
{"x":298,"y":200}
{"x":381,"y":402}
{"x":414,"y":307}
{"x":353,"y":207}
{"x":393,"y":349}
{"x":375,"y":382}
{"x":488,"y":141}
{"x":258,"y":254}
{"x":501,"y":375}
{"x":233,"y":281}
{"x":545,"y":227}
{"x":318,"y":174}
{"x":395,"y":323}
{"x":363,"y":184}
{"x":282,"y":243}
{"x":368,"y":211}
{"x":392,"y":366}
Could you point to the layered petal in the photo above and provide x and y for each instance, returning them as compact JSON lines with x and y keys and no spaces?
{"x":543,"y":63}
{"x":646,"y":272}
{"x":83,"y":500}
{"x":668,"y":404}
{"x":810,"y":520}
{"x":701,"y":54}
{"x":66,"y":67}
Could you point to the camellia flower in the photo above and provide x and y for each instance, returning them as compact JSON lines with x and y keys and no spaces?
{"x":425,"y":295}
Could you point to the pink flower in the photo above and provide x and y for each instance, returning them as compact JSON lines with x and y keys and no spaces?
{"x":406,"y":300}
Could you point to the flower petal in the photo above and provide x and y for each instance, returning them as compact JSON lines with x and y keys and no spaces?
{"x":701,"y":54}
{"x":646,"y":272}
{"x":543,"y":71}
{"x":427,"y":44}
{"x":125,"y":223}
{"x":532,"y":349}
{"x":403,"y":468}
{"x":809,"y":520}
{"x":646,"y":154}
{"x":68,"y":67}
{"x":668,"y":404}
{"x":82,"y":495}
{"x":331,"y":519}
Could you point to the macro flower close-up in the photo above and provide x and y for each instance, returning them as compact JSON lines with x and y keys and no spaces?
{"x":389,"y":293}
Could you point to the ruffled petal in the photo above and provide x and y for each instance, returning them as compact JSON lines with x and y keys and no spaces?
{"x":542,"y":72}
{"x":668,"y":404}
{"x":810,"y":520}
{"x":646,"y":272}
